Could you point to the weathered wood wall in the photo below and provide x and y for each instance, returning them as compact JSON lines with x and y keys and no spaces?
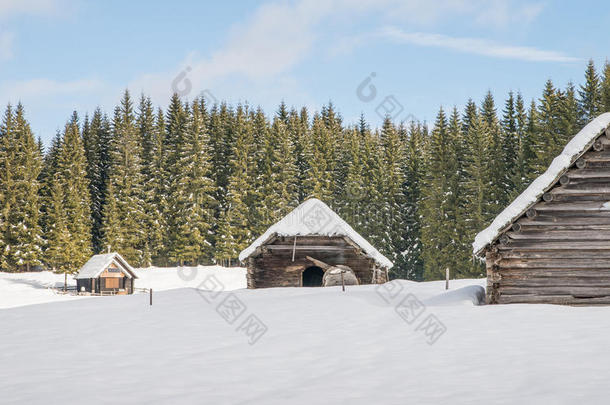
{"x":559,"y":251}
{"x":273,"y":266}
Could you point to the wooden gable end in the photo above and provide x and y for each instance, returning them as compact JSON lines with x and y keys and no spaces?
{"x":559,"y":250}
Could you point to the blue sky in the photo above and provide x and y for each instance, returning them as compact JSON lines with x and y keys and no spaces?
{"x":57,"y":56}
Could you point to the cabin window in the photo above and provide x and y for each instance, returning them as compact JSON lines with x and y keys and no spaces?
{"x":112,"y":283}
{"x":312,"y":277}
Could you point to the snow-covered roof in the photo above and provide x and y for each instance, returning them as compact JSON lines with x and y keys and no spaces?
{"x":98,"y":263}
{"x":573,"y":150}
{"x":314,"y":218}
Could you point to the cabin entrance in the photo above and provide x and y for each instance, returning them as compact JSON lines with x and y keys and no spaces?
{"x":312,"y":277}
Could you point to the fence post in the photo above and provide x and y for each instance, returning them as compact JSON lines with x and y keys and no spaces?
{"x":447,"y":278}
{"x":150,"y":296}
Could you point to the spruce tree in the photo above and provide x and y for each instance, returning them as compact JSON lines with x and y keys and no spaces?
{"x":590,"y":100}
{"x":192,"y":191}
{"x":72,"y":176}
{"x":233,"y":233}
{"x":548,"y":142}
{"x":510,"y":144}
{"x":28,"y":240}
{"x":56,"y":256}
{"x":127,"y":182}
{"x":605,"y":89}
{"x":439,"y":231}
{"x":391,"y":217}
{"x":415,"y":169}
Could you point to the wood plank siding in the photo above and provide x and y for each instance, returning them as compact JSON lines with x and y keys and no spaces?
{"x":273,"y":265}
{"x":558,"y":252}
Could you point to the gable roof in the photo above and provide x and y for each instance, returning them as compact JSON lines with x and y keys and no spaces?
{"x":580,"y":144}
{"x":98,"y":263}
{"x":314,"y":218}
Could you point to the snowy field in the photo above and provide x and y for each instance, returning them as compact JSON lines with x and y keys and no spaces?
{"x":19,"y":289}
{"x":307,"y":346}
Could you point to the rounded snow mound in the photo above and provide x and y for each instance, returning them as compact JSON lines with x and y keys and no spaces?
{"x":472,"y":294}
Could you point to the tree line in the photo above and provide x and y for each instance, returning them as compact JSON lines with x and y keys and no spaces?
{"x":195,"y":184}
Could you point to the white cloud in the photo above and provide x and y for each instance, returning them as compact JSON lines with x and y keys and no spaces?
{"x":476,"y":46}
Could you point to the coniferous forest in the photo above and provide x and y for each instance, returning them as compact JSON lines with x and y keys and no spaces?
{"x":196,"y":183}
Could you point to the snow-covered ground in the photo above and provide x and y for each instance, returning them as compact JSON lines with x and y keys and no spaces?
{"x":304,"y":346}
{"x":19,"y":289}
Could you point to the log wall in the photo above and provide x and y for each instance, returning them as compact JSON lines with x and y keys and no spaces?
{"x":559,"y":251}
{"x":273,"y":265}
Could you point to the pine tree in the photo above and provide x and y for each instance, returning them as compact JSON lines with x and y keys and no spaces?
{"x":548,"y":142}
{"x":127,"y":181}
{"x":438,"y":212}
{"x":590,"y":95}
{"x":72,"y":177}
{"x":510,"y":144}
{"x":498,"y":192}
{"x":524,"y":148}
{"x":233,"y":233}
{"x":479,"y":209}
{"x":391,"y":216}
{"x":320,"y":154}
{"x":193,"y":195}
{"x":605,"y":89}
{"x":415,"y":169}
{"x":58,"y":236}
{"x":28,"y":238}
{"x":569,"y":118}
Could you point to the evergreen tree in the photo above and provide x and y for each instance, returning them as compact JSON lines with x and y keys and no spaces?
{"x":415,"y":169}
{"x":605,"y":89}
{"x":569,"y":118}
{"x":439,"y":229}
{"x":193,"y":195}
{"x":391,"y":216}
{"x":58,"y":236}
{"x":510,"y":144}
{"x":590,"y":95}
{"x":233,"y":233}
{"x":127,"y":182}
{"x":548,"y":141}
{"x":72,"y":177}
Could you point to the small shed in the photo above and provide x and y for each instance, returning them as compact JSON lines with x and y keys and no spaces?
{"x":552,"y":243}
{"x":106,"y":273}
{"x":279,"y":257}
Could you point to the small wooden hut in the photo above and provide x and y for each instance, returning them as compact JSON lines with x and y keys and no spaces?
{"x":106,"y":274}
{"x":278,"y":258}
{"x":552,"y":243}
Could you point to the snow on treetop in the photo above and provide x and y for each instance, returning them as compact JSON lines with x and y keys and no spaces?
{"x":573,"y":150}
{"x":313,"y":217}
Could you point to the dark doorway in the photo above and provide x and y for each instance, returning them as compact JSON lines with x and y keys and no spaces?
{"x":312,"y":277}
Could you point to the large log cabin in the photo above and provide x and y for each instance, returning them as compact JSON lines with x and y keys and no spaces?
{"x":106,"y":274}
{"x":278,"y":258}
{"x":552,"y":243}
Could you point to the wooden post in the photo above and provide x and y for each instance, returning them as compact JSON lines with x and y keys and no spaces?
{"x":447,"y":278}
{"x":342,"y":280}
{"x":150,"y":296}
{"x":65,"y":282}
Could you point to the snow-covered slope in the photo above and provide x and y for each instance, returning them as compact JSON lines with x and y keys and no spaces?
{"x":573,"y":150}
{"x":321,"y":347}
{"x":18,"y":289}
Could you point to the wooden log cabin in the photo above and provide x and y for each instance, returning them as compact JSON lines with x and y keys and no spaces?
{"x":278,"y":258}
{"x":106,"y":274}
{"x":552,"y":243}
